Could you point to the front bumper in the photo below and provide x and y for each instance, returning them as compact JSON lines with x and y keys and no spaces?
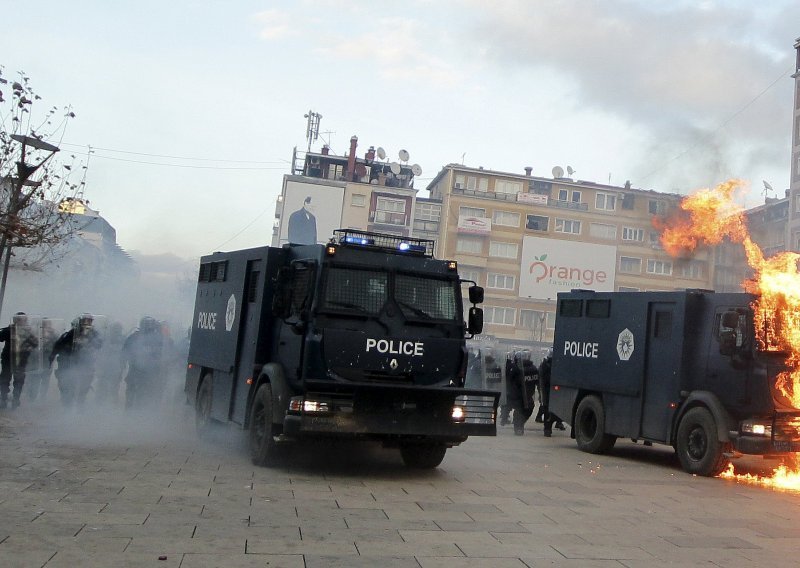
{"x":380,"y":411}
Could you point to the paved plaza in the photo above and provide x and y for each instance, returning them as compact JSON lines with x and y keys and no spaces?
{"x":107,"y":489}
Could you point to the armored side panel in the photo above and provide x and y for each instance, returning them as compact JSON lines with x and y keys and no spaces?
{"x":629,"y":349}
{"x":231,"y":314}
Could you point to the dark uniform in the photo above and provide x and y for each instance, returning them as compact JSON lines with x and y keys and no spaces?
{"x":14,"y":358}
{"x":76,"y":352}
{"x":143,"y":352}
{"x":520,"y":380}
{"x":544,"y":385}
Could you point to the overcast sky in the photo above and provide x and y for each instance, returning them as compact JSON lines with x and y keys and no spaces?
{"x":193,"y":108}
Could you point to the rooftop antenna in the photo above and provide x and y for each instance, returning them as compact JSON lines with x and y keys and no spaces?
{"x":312,"y":127}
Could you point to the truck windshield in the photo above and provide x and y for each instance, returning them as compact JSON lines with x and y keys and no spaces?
{"x":367,"y":291}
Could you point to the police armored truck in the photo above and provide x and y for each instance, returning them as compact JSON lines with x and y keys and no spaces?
{"x":363,"y":337}
{"x":681,"y":368}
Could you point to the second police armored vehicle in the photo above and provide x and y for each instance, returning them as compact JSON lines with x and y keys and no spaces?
{"x":680,"y":368}
{"x":363,"y":337}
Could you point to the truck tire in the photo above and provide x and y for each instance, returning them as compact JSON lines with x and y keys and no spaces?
{"x":202,"y":407}
{"x":590,"y":424}
{"x":423,"y":456}
{"x":263,"y":448}
{"x":699,"y":449}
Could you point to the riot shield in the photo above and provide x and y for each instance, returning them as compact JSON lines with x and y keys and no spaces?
{"x":50,"y":330}
{"x":25,"y":345}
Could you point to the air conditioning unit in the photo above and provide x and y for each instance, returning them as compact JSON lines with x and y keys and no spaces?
{"x":458,"y":185}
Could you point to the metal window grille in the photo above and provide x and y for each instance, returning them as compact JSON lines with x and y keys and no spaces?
{"x":423,"y":297}
{"x":362,"y":291}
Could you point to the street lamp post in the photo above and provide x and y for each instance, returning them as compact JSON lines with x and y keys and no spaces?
{"x":17,"y":201}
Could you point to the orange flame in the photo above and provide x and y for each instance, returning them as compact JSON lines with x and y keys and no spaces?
{"x":710,"y":216}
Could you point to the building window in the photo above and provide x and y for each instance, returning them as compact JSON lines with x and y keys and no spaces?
{"x":428,"y":211}
{"x":472,"y":245}
{"x":499,"y":316}
{"x":358,"y":200}
{"x":568,"y":226}
{"x":655,"y":240}
{"x":632,"y":234}
{"x":503,"y":250}
{"x":471,"y":212}
{"x":656,"y":207}
{"x":472,"y":183}
{"x":470,"y":274}
{"x":630,"y":265}
{"x":662,"y":267}
{"x":627,"y":289}
{"x":537,"y":322}
{"x":576,"y":197}
{"x":693,"y":269}
{"x":536,"y":222}
{"x":563,"y":195}
{"x":427,"y":226}
{"x":797,"y":200}
{"x":390,"y":211}
{"x":602,"y":231}
{"x":506,"y":218}
{"x":605,"y":202}
{"x":505,"y":186}
{"x":501,"y":281}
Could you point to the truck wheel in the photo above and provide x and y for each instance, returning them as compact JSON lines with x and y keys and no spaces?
{"x":423,"y":456}
{"x":263,"y":448}
{"x":590,"y":425}
{"x":202,"y":408}
{"x":698,"y":445}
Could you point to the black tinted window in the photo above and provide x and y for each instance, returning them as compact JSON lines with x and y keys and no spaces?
{"x":362,"y":291}
{"x":425,"y":298}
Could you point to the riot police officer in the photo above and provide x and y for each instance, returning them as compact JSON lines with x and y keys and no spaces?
{"x":143,"y":354}
{"x":19,"y":342}
{"x":76,"y":353}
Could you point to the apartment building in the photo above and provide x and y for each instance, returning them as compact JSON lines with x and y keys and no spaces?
{"x":525,"y":238}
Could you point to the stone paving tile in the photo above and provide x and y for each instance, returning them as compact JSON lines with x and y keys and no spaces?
{"x":70,"y":558}
{"x":327,"y":561}
{"x":314,"y":548}
{"x":455,"y":562}
{"x":242,"y":561}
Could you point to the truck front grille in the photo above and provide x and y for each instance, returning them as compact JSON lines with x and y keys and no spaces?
{"x":477,"y":409}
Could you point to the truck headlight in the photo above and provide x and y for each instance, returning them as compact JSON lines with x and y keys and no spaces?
{"x":458,"y":414}
{"x":756,"y":427}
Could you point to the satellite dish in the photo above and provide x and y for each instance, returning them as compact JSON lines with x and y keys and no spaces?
{"x":395,"y":167}
{"x":416,"y":170}
{"x":381,"y":153}
{"x":558,"y":172}
{"x":403,"y":155}
{"x":767,"y":186}
{"x":570,"y":171}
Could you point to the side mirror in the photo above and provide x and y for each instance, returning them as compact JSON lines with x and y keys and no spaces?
{"x":475,"y":295}
{"x":727,"y":343}
{"x":475,"y":323}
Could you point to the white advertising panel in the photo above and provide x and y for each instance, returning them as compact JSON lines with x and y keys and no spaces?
{"x":534,"y":198}
{"x":310,"y":212}
{"x":475,"y":225}
{"x":550,"y":266}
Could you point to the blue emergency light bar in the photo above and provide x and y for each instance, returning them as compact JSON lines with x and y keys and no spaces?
{"x":384,"y":242}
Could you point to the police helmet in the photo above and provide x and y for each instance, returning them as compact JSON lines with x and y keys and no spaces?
{"x":83,"y":321}
{"x":148,"y":324}
{"x":20,"y":318}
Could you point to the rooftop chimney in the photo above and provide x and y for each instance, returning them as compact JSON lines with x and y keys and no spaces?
{"x":351,"y":159}
{"x":528,"y":170}
{"x":325,"y":149}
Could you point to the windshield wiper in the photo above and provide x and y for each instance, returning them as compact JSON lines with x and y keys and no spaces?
{"x":415,"y":310}
{"x":347,"y":305}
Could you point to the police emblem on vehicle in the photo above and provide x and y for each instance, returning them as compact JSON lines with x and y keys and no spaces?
{"x":230,"y":313}
{"x":625,"y":344}
{"x":393,"y":364}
